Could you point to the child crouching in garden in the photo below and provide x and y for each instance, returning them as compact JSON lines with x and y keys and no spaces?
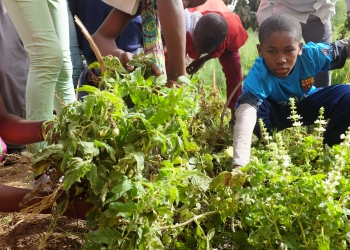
{"x":286,"y":68}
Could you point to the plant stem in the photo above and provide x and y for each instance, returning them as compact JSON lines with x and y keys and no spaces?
{"x":194,"y":218}
{"x":300,"y":225}
{"x":273,"y":222}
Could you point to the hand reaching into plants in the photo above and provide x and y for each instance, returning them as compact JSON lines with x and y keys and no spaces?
{"x":195,"y":65}
{"x":124,"y":58}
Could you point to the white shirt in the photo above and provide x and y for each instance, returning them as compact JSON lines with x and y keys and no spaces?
{"x":127,"y":6}
{"x":194,"y":17}
{"x":300,"y":9}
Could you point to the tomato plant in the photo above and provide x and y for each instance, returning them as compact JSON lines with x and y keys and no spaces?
{"x":154,"y":163}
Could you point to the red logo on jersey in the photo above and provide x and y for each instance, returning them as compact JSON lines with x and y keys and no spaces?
{"x":306,"y":84}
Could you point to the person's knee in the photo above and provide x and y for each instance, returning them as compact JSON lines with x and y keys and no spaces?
{"x":48,"y":56}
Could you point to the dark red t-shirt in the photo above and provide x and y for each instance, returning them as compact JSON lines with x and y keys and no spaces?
{"x":237,"y":36}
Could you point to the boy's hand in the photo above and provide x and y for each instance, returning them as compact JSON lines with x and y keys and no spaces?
{"x":195,"y":66}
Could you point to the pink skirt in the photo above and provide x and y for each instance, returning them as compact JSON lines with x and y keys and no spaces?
{"x":3,"y":149}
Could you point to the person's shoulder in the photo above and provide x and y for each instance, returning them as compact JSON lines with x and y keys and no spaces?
{"x":310,"y":49}
{"x":259,"y":67}
{"x":257,"y":72}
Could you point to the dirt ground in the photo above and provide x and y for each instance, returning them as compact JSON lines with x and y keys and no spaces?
{"x":25,"y":231}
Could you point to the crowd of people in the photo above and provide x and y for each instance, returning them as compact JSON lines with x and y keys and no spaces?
{"x":44,"y":62}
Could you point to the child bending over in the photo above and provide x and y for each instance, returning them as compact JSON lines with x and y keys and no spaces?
{"x":226,"y":51}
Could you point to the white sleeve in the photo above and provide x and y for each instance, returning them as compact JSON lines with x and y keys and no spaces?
{"x":246,"y":116}
{"x":129,"y":6}
{"x":265,"y":10}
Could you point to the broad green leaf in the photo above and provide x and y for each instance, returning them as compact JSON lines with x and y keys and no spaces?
{"x":87,"y":150}
{"x":140,"y":160}
{"x":120,"y":209}
{"x":108,"y":236}
{"x":220,"y":180}
{"x":76,"y":169}
{"x":291,"y":242}
{"x":123,"y":186}
{"x":97,"y":177}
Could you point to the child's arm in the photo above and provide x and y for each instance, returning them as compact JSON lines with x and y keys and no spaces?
{"x":340,"y":52}
{"x":11,"y":197}
{"x":172,"y":20}
{"x":197,"y":64}
{"x":346,"y":42}
{"x":246,"y":116}
{"x":109,"y":31}
{"x":15,"y":130}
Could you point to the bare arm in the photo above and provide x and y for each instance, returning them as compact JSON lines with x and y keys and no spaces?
{"x":11,"y":197}
{"x":172,"y":20}
{"x":109,"y":31}
{"x":197,"y":64}
{"x":15,"y":130}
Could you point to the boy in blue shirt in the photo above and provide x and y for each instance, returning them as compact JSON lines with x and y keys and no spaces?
{"x":287,"y":68}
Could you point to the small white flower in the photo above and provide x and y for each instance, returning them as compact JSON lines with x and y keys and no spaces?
{"x":320,"y":129}
{"x":342,"y":136}
{"x":297,"y":124}
{"x":320,"y":122}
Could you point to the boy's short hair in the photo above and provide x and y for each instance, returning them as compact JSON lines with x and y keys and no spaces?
{"x":210,"y":31}
{"x":279,"y":23}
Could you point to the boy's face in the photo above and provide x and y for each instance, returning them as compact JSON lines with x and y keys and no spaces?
{"x":192,"y":3}
{"x":280,"y":52}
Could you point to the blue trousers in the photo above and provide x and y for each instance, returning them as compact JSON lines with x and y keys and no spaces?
{"x":334,"y":99}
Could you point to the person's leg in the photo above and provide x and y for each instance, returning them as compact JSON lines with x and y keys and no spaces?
{"x":334,"y":99}
{"x":13,"y":72}
{"x":77,"y":61}
{"x":316,"y":31}
{"x":274,"y":117}
{"x":64,"y":88}
{"x":34,"y":24}
{"x":336,"y":102}
{"x":231,"y":66}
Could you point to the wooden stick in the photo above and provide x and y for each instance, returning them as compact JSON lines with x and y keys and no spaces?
{"x":91,"y":42}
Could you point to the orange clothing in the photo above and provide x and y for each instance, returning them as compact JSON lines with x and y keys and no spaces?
{"x":237,"y":36}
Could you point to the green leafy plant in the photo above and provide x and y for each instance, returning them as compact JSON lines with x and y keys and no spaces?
{"x":157,"y":168}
